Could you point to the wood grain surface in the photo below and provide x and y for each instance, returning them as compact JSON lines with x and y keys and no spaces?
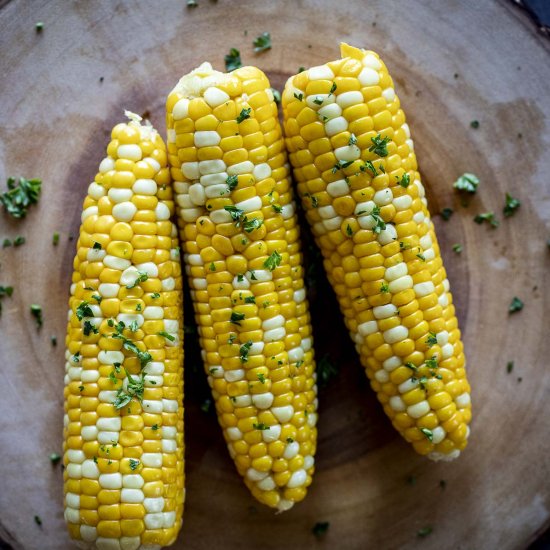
{"x":452,"y":62}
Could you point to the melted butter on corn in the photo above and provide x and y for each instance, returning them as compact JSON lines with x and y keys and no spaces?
{"x":379,"y":245}
{"x":236,"y":213}
{"x":123,"y":477}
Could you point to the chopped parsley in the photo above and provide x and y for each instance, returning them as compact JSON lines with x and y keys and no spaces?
{"x":277,"y":207}
{"x":515,"y":305}
{"x":379,"y":222}
{"x":141,"y":278}
{"x":134,"y":390}
{"x":250,"y":300}
{"x":53,"y":340}
{"x":411,"y":366}
{"x":457,"y":248}
{"x":134,"y":463}
{"x":143,"y":356}
{"x":236,"y":317}
{"x":379,"y":145}
{"x":421,"y":257}
{"x":244,"y":114}
{"x":276,"y":96}
{"x":20,"y":196}
{"x":511,"y":206}
{"x":240,"y":277}
{"x":89,"y":328}
{"x":432,"y":340}
{"x":191,"y":4}
{"x":384,"y":287}
{"x":155,"y":295}
{"x":212,"y":266}
{"x":167,"y":335}
{"x":509,"y":367}
{"x":36,"y":312}
{"x":38,"y":521}
{"x":349,"y":230}
{"x":428,"y":433}
{"x":314,"y":200}
{"x":446,"y":213}
{"x":232,"y":182}
{"x":244,"y":350}
{"x":474,"y":124}
{"x":236,"y":214}
{"x":405,"y":181}
{"x":370,"y":167}
{"x":352,"y":139}
{"x":19,"y":240}
{"x":326,"y":371}
{"x":262,"y":43}
{"x":233,"y":60}
{"x":341,"y":164}
{"x":55,"y":458}
{"x":96,"y":246}
{"x":84,"y":310}
{"x":231,"y":339}
{"x":488,"y":217}
{"x":424,"y":532}
{"x":467,"y":182}
{"x":6,"y":243}
{"x":5,"y":291}
{"x":252,"y":224}
{"x":299,"y":96}
{"x":39,"y":26}
{"x":55,"y":239}
{"x":206,"y":406}
{"x":318,"y":100}
{"x":261,"y":378}
{"x":155,"y":427}
{"x":260,"y":426}
{"x":320,"y":528}
{"x":273,"y":261}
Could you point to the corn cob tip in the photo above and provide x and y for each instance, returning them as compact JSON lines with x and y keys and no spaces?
{"x":351,"y":51}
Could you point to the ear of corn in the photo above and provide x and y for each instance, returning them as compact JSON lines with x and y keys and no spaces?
{"x":354,"y":161}
{"x":242,"y":252}
{"x":123,"y":423}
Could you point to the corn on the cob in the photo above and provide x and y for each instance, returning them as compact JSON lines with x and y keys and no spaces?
{"x":242,"y":253}
{"x":123,"y":423}
{"x":357,"y":176}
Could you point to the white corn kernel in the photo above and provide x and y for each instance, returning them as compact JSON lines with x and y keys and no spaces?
{"x":418,"y":410}
{"x":124,"y":211}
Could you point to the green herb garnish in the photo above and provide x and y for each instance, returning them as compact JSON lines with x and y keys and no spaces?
{"x":20,"y":196}
{"x":236,"y":317}
{"x":260,"y":426}
{"x":36,"y":312}
{"x":379,"y":145}
{"x":511,"y":206}
{"x":488,"y":217}
{"x":244,"y":114}
{"x":167,"y":335}
{"x":320,"y":528}
{"x":428,"y":433}
{"x":273,"y":261}
{"x":446,"y":213}
{"x":457,"y":248}
{"x":243,"y":351}
{"x":467,"y":182}
{"x":233,"y":60}
{"x":262,"y":43}
{"x":141,"y":278}
{"x":515,"y":305}
{"x":55,"y":239}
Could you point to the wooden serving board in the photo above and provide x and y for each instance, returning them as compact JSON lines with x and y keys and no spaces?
{"x":452,"y":62}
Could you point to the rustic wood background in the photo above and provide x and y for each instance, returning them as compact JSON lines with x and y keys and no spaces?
{"x":452,"y":62}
